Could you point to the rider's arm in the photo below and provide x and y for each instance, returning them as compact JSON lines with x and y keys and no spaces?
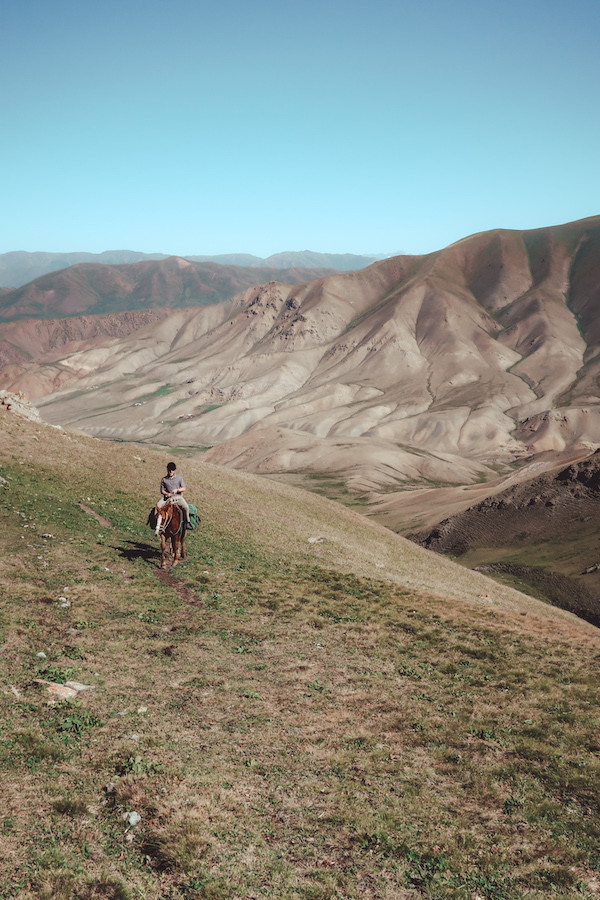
{"x":180,"y":488}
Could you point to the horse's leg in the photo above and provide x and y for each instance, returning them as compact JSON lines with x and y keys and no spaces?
{"x":182,"y":548}
{"x":163,"y":548}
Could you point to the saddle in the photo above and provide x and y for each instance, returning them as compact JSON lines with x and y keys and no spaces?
{"x":194,"y":518}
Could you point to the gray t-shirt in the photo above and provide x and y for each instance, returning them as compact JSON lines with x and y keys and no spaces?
{"x":170,"y":484}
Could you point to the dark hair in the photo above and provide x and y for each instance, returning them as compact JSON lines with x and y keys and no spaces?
{"x":171,"y":467}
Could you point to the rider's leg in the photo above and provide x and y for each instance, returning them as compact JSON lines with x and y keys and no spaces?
{"x":179,"y":500}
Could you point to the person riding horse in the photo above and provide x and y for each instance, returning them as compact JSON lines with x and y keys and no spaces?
{"x":172,"y":487}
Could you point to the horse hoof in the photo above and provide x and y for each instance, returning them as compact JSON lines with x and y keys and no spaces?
{"x":175,"y":562}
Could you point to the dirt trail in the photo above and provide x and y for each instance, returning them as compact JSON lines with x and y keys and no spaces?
{"x":183,"y":591}
{"x":97,"y":516}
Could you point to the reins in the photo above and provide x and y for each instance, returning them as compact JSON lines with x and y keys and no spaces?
{"x":167,"y":510}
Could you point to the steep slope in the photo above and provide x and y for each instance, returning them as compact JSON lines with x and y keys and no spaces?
{"x":47,"y":340}
{"x":172,"y":282}
{"x":541,"y":530}
{"x":447,"y":367}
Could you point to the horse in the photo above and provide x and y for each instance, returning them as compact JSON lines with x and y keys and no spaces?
{"x":170,"y":523}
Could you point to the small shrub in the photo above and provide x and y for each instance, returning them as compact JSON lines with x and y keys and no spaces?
{"x":137,"y":765}
{"x":78,"y":721}
{"x":73,"y":652}
{"x":56,"y":674}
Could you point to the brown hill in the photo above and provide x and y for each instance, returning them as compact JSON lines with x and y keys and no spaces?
{"x":172,"y":282}
{"x":449,"y":367}
{"x":19,"y":266}
{"x":47,"y":340}
{"x":541,"y":531}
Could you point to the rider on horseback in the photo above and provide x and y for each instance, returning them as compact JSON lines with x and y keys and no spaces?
{"x":172,"y":487}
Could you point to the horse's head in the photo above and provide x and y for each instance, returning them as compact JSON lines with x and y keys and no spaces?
{"x":168,"y":518}
{"x":161,"y":515}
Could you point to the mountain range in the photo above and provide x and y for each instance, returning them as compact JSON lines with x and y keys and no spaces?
{"x":451,"y":366}
{"x":95,"y":288}
{"x":19,"y":267}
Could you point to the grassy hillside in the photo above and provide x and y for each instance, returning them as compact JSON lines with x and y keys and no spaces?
{"x":350,"y":718}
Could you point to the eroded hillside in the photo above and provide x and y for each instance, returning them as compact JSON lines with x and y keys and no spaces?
{"x":450,"y":367}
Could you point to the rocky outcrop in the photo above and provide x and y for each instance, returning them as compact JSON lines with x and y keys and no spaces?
{"x":19,"y":405}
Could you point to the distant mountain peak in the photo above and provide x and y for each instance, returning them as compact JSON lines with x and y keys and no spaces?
{"x":20,"y":267}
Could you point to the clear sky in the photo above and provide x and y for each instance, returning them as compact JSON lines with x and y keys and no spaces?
{"x":334,"y":125}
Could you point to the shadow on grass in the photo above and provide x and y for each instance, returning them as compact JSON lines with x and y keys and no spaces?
{"x":138,"y":550}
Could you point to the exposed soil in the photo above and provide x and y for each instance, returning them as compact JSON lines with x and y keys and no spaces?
{"x":97,"y":516}
{"x":183,"y":592}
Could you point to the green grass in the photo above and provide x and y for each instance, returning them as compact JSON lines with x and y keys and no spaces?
{"x":281,"y":728}
{"x":331,"y":486}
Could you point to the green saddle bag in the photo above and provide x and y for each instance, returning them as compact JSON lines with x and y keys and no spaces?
{"x":194,"y":517}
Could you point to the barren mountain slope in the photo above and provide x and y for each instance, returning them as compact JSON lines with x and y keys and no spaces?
{"x":171,"y":282}
{"x":438,"y":358}
{"x":48,"y":340}
{"x":542,"y":530}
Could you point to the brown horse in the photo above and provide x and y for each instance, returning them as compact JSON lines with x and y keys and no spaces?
{"x":170,"y":523}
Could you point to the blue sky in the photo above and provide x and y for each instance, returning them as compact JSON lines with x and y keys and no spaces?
{"x":188,"y":127}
